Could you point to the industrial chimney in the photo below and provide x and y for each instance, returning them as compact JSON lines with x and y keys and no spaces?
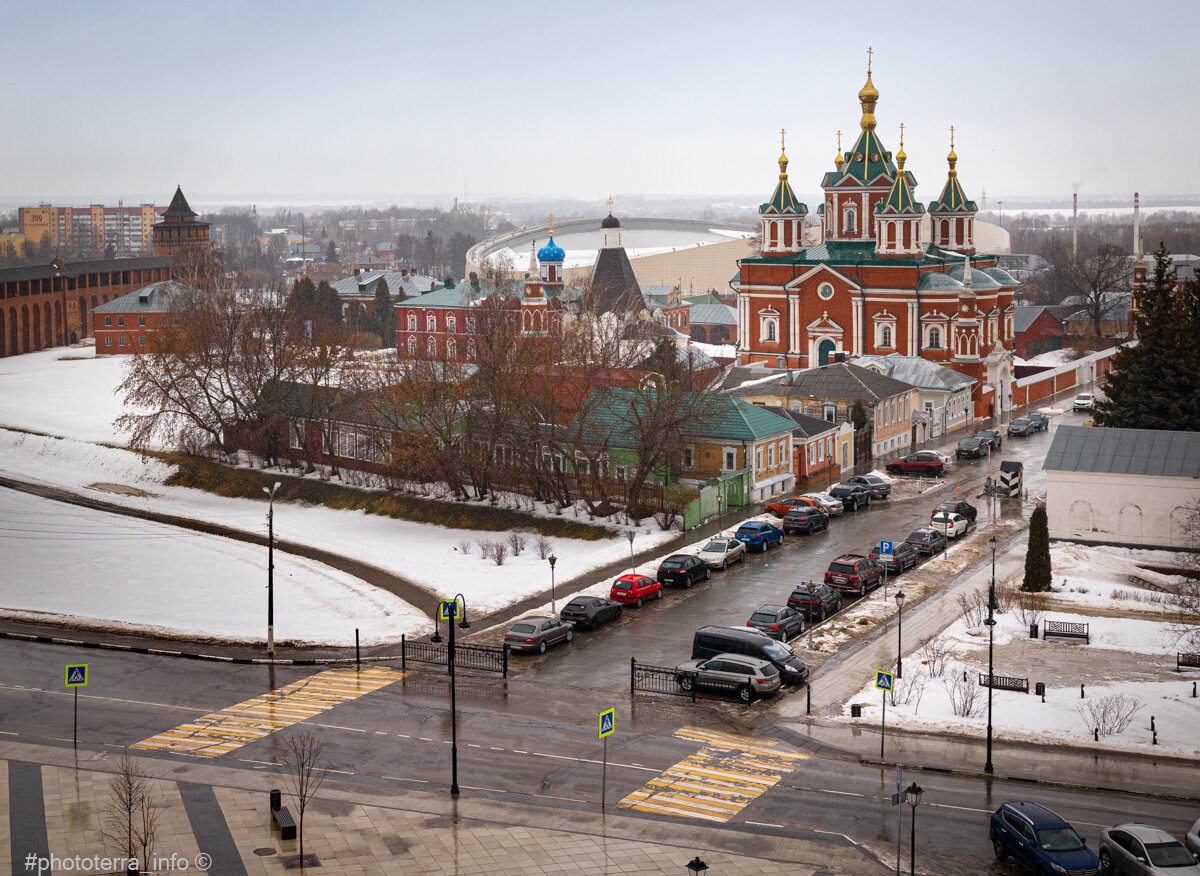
{"x":1137,"y":226}
{"x":1075,"y":225}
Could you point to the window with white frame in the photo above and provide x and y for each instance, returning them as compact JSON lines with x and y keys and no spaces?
{"x":825,"y":290}
{"x":470,"y":323}
{"x":933,"y":338}
{"x":820,"y":451}
{"x":451,"y":322}
{"x":812,"y":454}
{"x":758,"y":459}
{"x":689,"y":456}
{"x":412,"y":322}
{"x":782,"y":451}
{"x":451,"y":349}
{"x":412,"y":344}
{"x":431,"y":347}
{"x":830,"y":413}
{"x":885,"y":336}
{"x":430,"y":322}
{"x":728,"y":459}
{"x":851,"y":221}
{"x":770,"y":456}
{"x":471,"y":349}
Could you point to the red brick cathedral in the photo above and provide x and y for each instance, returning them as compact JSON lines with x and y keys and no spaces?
{"x":873,"y":286}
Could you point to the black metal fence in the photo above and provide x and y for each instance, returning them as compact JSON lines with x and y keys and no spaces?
{"x":1004,"y":682}
{"x":485,"y":658}
{"x":1183,"y":659}
{"x":644,"y":678}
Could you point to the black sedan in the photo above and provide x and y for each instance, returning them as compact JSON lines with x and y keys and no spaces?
{"x":853,"y":496}
{"x":589,"y":612}
{"x":777,"y":621}
{"x":1021,"y":427}
{"x":992,"y":437}
{"x":927,"y":541}
{"x":966,"y":509}
{"x":971,"y":448}
{"x":683,"y":569}
{"x":903,"y":556}
{"x":806,"y":519}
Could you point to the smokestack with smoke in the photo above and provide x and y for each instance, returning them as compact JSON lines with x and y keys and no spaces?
{"x":1137,"y":226}
{"x":1075,"y":225}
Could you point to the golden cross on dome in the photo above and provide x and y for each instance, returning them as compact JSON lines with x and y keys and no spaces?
{"x":839,"y":142}
{"x":610,"y":205}
{"x":870,"y":51}
{"x":782,"y":131}
{"x":551,"y":224}
{"x":902,"y":135}
{"x":952,"y":136}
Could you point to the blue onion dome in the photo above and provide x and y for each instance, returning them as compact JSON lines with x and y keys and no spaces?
{"x":551,"y":252}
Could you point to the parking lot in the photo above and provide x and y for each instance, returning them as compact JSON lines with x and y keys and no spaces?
{"x":661,"y":631}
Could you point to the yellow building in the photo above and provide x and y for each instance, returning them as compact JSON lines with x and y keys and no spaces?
{"x":91,"y":228}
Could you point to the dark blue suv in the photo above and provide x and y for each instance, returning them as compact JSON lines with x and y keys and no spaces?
{"x":1040,"y":840}
{"x":758,"y":534}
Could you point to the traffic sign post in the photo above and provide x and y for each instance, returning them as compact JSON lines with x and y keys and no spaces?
{"x":884,"y":682}
{"x":885,"y":552}
{"x":76,"y":677}
{"x":608,"y":723}
{"x":448,"y":609}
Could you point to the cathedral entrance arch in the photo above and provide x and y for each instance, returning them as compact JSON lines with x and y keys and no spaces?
{"x":825,"y":351}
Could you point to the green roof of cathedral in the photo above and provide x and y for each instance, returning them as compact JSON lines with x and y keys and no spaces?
{"x":848,"y":253}
{"x":900,"y":199}
{"x":952,"y":199}
{"x":867,"y":161}
{"x":783,"y":199}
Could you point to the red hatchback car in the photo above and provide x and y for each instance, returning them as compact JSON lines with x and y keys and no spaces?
{"x":633,"y":589}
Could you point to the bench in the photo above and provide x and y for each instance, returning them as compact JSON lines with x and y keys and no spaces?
{"x":1004,"y":682}
{"x":281,"y":817}
{"x":1185,"y":659}
{"x":1066,"y":630}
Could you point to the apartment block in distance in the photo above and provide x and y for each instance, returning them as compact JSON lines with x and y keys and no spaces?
{"x":90,"y":229}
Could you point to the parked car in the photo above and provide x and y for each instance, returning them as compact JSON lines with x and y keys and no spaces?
{"x":537,"y":633}
{"x":806,"y":519}
{"x":966,"y":509}
{"x":904,"y":556}
{"x":827,"y":503}
{"x":1040,"y":421}
{"x":854,"y":574}
{"x":879,"y":486}
{"x":589,"y":612}
{"x":972,"y":448}
{"x":817,"y":605}
{"x":852,"y":496}
{"x":927,"y":541}
{"x":1040,"y":840}
{"x":634,"y":589}
{"x":1192,"y":840}
{"x":783,"y":506}
{"x":759,"y":534}
{"x":685,"y":569}
{"x":746,"y":677}
{"x":777,"y":621}
{"x":916,"y":464}
{"x":1142,"y":850}
{"x":720,"y":552}
{"x":944,"y":458}
{"x":1022,"y":427}
{"x":992,"y":437}
{"x":1085,"y":401}
{"x":711,"y":641}
{"x":949,"y":524}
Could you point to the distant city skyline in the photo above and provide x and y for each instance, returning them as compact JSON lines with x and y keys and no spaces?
{"x":312,"y":103}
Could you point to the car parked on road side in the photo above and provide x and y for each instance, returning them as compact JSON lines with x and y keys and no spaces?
{"x":783,"y":506}
{"x":713,"y":640}
{"x":589,"y":612}
{"x":879,"y":486}
{"x":1040,"y":421}
{"x":816,"y":605}
{"x":966,"y":509}
{"x":777,"y":621}
{"x":720,"y":552}
{"x":745,"y":677}
{"x":852,"y":496}
{"x":683,"y":569}
{"x":949,"y":524}
{"x":1038,"y":839}
{"x":759,"y":534}
{"x":916,"y":464}
{"x":927,"y":541}
{"x":903,"y":557}
{"x":854,"y":574}
{"x":1192,"y":840}
{"x":944,"y":458}
{"x":992,"y":437}
{"x":634,"y":589}
{"x":1142,"y":850}
{"x":827,"y":503}
{"x":1085,"y":401}
{"x":537,"y":633}
{"x":971,"y":448}
{"x":806,"y":519}
{"x":1022,"y":427}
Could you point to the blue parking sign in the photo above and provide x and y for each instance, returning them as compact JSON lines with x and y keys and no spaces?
{"x":885,"y":548}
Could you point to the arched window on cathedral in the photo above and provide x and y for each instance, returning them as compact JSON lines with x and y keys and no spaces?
{"x":430,"y":323}
{"x":412,"y":345}
{"x":945,"y":232}
{"x":412,"y":322}
{"x":885,"y":336}
{"x":451,"y":349}
{"x":770,"y":330}
{"x":851,"y":222}
{"x":471,"y":349}
{"x":450,"y":323}
{"x":935,"y":338}
{"x":431,"y":347}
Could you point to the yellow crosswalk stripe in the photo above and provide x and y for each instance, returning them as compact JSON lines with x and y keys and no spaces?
{"x":229,"y":729}
{"x":718,"y":781}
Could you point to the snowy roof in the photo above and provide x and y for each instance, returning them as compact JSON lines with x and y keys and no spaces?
{"x":917,"y":371}
{"x":712,"y":314}
{"x":155,"y":298}
{"x":1024,"y":317}
{"x":1125,"y":451}
{"x":363,"y":285}
{"x":838,"y":380}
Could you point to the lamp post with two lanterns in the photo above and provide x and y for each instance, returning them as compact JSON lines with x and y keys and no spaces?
{"x":449,"y":610}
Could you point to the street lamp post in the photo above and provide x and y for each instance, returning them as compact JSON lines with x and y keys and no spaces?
{"x":696,"y":866}
{"x":629,"y":534}
{"x":271,"y":570}
{"x":436,"y":638}
{"x":553,"y":559}
{"x":912,"y":796}
{"x":991,"y":624}
{"x":720,"y":512}
{"x":899,"y":634}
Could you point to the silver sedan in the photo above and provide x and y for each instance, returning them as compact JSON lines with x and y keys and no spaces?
{"x":537,"y":633}
{"x":719,"y":553}
{"x":1141,"y":850}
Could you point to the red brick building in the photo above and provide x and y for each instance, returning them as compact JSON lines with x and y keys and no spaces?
{"x":873,"y":286}
{"x":1037,"y":331}
{"x":125,"y":324}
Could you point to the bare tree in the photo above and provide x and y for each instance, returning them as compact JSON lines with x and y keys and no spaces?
{"x":1185,"y":592}
{"x":1109,"y":714}
{"x":131,"y":813}
{"x":303,"y":759}
{"x":1099,"y":279}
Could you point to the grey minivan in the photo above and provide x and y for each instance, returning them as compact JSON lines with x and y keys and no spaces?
{"x":711,"y":641}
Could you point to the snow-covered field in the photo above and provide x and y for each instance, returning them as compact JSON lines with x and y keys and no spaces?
{"x":66,"y":391}
{"x":97,"y":569}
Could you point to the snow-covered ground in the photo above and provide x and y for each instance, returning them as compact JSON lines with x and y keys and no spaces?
{"x":97,"y":569}
{"x":66,"y":391}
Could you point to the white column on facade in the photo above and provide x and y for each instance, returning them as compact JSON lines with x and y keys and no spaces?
{"x":856,"y":311}
{"x":913,"y":329}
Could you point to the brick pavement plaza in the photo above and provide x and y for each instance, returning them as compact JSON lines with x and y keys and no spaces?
{"x":224,"y":811}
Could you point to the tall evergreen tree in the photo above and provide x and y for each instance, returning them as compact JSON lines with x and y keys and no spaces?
{"x":302,"y":301}
{"x":328,"y":307}
{"x":1037,"y":555}
{"x":1188,"y":323}
{"x":1148,"y":388}
{"x":331,"y":253}
{"x":383,"y":315}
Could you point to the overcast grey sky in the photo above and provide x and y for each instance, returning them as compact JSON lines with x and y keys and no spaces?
{"x":576,"y":99}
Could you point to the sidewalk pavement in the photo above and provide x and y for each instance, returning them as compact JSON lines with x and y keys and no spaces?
{"x":376,"y":826}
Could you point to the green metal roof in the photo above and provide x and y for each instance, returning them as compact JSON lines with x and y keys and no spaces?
{"x":952,"y":199}
{"x":867,"y":161}
{"x":783,"y":200}
{"x":900,"y":199}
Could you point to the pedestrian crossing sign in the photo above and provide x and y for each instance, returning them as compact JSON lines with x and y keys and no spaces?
{"x":448,"y":609}
{"x":607,"y":723}
{"x":77,"y":675}
{"x":884,"y":680}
